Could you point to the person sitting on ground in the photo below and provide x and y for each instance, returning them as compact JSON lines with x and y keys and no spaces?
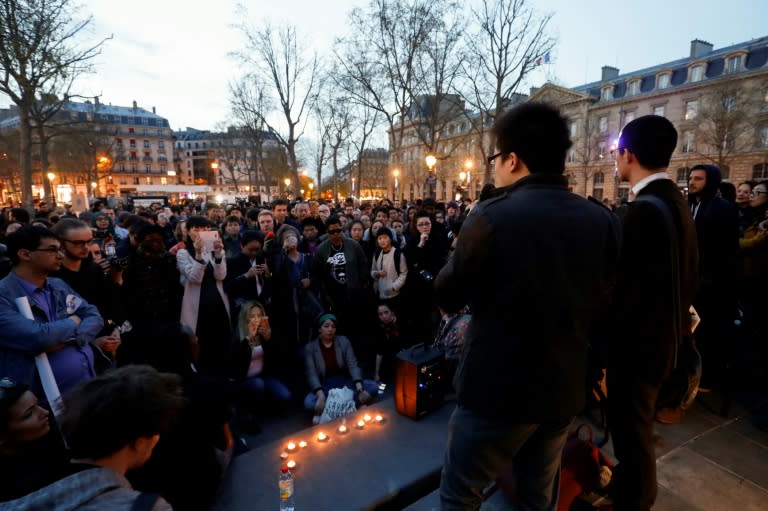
{"x":331,"y":363}
{"x":112,"y":424}
{"x":389,"y":339}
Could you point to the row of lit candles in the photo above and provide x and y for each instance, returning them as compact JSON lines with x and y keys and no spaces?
{"x":322,"y":437}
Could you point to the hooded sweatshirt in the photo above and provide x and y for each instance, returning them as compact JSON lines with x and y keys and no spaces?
{"x":92,"y":489}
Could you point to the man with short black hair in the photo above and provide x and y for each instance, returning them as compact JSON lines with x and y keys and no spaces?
{"x":548,"y":256}
{"x":64,"y":323}
{"x":342,"y":269}
{"x":650,"y":303}
{"x":112,"y":424}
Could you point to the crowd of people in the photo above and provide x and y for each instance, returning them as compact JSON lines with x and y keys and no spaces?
{"x":258,"y":310}
{"x":198,"y":320}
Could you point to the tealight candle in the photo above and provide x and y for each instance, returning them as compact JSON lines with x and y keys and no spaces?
{"x":379,"y":419}
{"x":322,"y":437}
{"x":342,"y":429}
{"x":367,"y":418}
{"x":291,"y":464}
{"x":302,"y":444}
{"x":361,"y":424}
{"x":283,"y":455}
{"x":291,"y":446}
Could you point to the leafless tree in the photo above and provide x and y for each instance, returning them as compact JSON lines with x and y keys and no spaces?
{"x":81,"y":152}
{"x":400,"y":60}
{"x":725,"y":120}
{"x":278,"y":59}
{"x":510,"y":39}
{"x":39,"y":58}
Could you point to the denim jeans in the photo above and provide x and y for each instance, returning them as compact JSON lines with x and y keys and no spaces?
{"x":479,"y":449}
{"x":370,"y":386}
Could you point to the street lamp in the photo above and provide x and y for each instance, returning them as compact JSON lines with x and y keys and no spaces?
{"x":353,"y":186}
{"x":311,"y":189}
{"x":287,"y":182}
{"x":430,"y":160}
{"x":396,"y":175}
{"x":51,"y":176}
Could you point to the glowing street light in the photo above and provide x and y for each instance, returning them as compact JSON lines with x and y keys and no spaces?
{"x":430,"y":161}
{"x":287,"y":182}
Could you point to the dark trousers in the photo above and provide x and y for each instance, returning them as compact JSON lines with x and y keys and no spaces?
{"x":631,"y":412}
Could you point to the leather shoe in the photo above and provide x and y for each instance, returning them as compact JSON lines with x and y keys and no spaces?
{"x":670,"y":415}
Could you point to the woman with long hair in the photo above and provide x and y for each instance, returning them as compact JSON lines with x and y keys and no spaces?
{"x":205,"y":306}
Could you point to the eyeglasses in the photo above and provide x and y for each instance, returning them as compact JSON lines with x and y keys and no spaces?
{"x":757,"y":193}
{"x":79,"y":243}
{"x":493,"y":157}
{"x":50,"y":250}
{"x":334,"y":231}
{"x":5,"y":384}
{"x":423,"y":224}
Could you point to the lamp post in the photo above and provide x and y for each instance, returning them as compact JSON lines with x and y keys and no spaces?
{"x":311,"y":187}
{"x":51,"y":176}
{"x":430,"y":160}
{"x":287,"y":182}
{"x":395,"y":175}
{"x":353,"y":187}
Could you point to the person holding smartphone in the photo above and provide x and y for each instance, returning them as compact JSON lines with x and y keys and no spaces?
{"x":205,"y":305}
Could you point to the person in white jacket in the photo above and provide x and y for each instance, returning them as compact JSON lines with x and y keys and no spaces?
{"x":205,"y":306}
{"x":388,"y":269}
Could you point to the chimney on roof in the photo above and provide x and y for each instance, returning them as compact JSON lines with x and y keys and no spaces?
{"x":700,"y":48}
{"x":609,"y":73}
{"x":135,"y":106}
{"x":153,"y":110}
{"x":96,"y":101}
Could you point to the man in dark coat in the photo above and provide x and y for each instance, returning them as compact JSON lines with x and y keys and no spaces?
{"x":650,"y":306}
{"x":536,"y":264}
{"x":717,"y":230}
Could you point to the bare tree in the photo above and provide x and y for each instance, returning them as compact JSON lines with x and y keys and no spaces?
{"x":509,"y":42}
{"x":278,"y":59}
{"x":400,"y":60}
{"x":725,"y":120}
{"x":82,"y":152}
{"x":39,"y":57}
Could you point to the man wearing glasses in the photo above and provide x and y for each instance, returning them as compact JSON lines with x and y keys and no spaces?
{"x":536,"y":263}
{"x":64,"y":323}
{"x":342,"y":268}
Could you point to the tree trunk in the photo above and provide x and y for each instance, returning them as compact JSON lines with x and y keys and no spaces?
{"x":25,"y":159}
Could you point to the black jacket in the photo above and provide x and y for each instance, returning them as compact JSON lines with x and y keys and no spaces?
{"x":536,"y":264}
{"x":642,"y":338}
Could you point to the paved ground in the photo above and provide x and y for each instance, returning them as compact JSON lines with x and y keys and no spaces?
{"x":706,"y":463}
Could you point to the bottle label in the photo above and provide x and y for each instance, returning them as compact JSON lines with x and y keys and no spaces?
{"x":286,"y":489}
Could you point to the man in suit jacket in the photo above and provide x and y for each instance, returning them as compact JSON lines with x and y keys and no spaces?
{"x":645,"y":339}
{"x":536,"y":263}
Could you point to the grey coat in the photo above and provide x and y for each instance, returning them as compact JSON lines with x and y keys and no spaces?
{"x":315,"y":363}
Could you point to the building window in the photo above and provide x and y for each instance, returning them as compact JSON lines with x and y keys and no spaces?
{"x":146,"y":144}
{"x":725,"y":172}
{"x":659,"y":110}
{"x":148,"y":169}
{"x":682,"y":175}
{"x":760,"y":171}
{"x":161,"y":145}
{"x":606,"y":93}
{"x":688,"y":142}
{"x":729,"y":103}
{"x":691,"y":109}
{"x":603,"y":124}
{"x":597,"y":194}
{"x":629,"y":117}
{"x":634,"y":88}
{"x":733,"y":64}
{"x":763,"y":136}
{"x":598,"y":179}
{"x":601,"y":149}
{"x":148,"y":180}
{"x":663,"y":81}
{"x":571,"y":156}
{"x":163,"y":180}
{"x":697,"y":73}
{"x":572,"y":129}
{"x":132,"y":143}
{"x":136,"y":181}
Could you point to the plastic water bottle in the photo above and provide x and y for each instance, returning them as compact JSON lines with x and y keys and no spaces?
{"x":286,"y":489}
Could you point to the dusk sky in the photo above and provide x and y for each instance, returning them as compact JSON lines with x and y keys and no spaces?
{"x":173,"y":54}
